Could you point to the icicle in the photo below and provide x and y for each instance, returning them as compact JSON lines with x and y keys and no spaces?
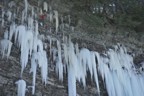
{"x":77,"y":49}
{"x":45,"y":6}
{"x":109,"y":81}
{"x":72,"y":28}
{"x":26,"y":8}
{"x":6,"y":34}
{"x":24,"y":58}
{"x":59,"y":65}
{"x":65,"y":53}
{"x":3,"y":12}
{"x":20,"y":32}
{"x":32,"y":11}
{"x":44,"y":68}
{"x":51,"y":16}
{"x":101,"y":62}
{"x":54,"y":51}
{"x":22,"y":18}
{"x":21,"y":87}
{"x":50,"y":44}
{"x":12,"y":30}
{"x":69,"y":19}
{"x":36,"y":29}
{"x":57,"y":20}
{"x":33,"y":69}
{"x":25,"y":41}
{"x":71,"y":81}
{"x":39,"y":45}
{"x":29,"y":40}
{"x":62,"y":23}
{"x":30,"y":23}
{"x":95,"y":71}
{"x":86,"y":59}
{"x":5,"y":47}
{"x":73,"y":68}
{"x":41,"y":12}
{"x":9,"y":14}
{"x":42,"y":59}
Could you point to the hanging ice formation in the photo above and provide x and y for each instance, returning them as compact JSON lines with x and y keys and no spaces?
{"x":50,"y":14}
{"x":59,"y":65}
{"x":45,"y":6}
{"x":3,"y":21}
{"x":69,"y":19}
{"x":12,"y":30}
{"x":21,"y":87}
{"x":41,"y":12}
{"x":5,"y":47}
{"x":34,"y":62}
{"x":26,"y":9}
{"x":56,"y":21}
{"x":9,"y":15}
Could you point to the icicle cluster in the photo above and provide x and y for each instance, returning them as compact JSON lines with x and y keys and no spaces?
{"x":116,"y":67}
{"x":78,"y":63}
{"x":119,"y":74}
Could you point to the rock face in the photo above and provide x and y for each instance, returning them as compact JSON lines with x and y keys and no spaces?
{"x":139,"y":28}
{"x":99,"y":41}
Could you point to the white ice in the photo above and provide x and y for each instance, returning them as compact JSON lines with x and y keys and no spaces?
{"x":21,"y":88}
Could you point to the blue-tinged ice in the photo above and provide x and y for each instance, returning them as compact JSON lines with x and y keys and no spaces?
{"x":21,"y":87}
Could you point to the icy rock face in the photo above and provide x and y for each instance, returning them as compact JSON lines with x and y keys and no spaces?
{"x":116,"y":67}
